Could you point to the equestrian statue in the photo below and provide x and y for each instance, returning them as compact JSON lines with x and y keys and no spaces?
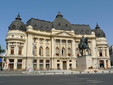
{"x":83,"y":45}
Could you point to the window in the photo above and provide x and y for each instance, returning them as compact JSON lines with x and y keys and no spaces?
{"x":41,"y":61}
{"x":12,"y":35}
{"x":63,"y":51}
{"x":47,"y":51}
{"x":70,"y":60}
{"x":57,"y":41}
{"x":34,"y":61}
{"x":20,"y":51}
{"x":41,"y":65}
{"x":105,"y":52}
{"x":59,"y":24}
{"x":69,"y":51}
{"x":58,"y":60}
{"x":47,"y":61}
{"x":21,"y":37}
{"x":13,"y":27}
{"x":100,"y":53}
{"x":11,"y":60}
{"x":70,"y":66}
{"x":20,"y":60}
{"x":12,"y":50}
{"x":35,"y":51}
{"x":66,"y":25}
{"x":41,"y":51}
{"x":57,"y":51}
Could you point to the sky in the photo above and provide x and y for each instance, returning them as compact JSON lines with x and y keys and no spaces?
{"x":87,"y":12}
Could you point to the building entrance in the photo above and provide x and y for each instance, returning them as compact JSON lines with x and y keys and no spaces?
{"x":101,"y":63}
{"x":11,"y":66}
{"x":64,"y":65}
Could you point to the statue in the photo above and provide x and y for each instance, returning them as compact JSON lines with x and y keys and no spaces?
{"x":83,"y":44}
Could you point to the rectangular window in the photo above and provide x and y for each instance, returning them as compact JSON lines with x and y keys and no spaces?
{"x":20,"y":51}
{"x":12,"y":50}
{"x":41,"y":61}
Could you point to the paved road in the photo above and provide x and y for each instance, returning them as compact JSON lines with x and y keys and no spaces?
{"x":75,"y":79}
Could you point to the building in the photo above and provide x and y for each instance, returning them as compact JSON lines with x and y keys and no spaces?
{"x":111,"y":54}
{"x":45,"y":45}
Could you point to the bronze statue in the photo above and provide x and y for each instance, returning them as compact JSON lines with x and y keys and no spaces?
{"x":83,"y":44}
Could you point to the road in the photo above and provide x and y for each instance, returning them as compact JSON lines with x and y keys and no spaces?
{"x":75,"y":79}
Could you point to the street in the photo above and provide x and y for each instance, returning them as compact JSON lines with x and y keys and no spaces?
{"x":75,"y":79}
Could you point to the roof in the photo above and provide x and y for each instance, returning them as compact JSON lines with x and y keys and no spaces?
{"x":59,"y":23}
{"x":17,"y":24}
{"x":99,"y":32}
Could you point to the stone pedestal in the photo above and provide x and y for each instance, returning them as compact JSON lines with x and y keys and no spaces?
{"x":84,"y":62}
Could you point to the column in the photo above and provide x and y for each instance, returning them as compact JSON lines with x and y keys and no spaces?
{"x":108,"y":55}
{"x":29,"y":45}
{"x":44,"y":48}
{"x":109,"y":64}
{"x":37,"y":45}
{"x":105,"y":64}
{"x":93,"y":52}
{"x":15,"y":64}
{"x":73,"y":48}
{"x":53,"y":53}
{"x":66,"y":47}
{"x":7,"y":63}
{"x":68,"y":64}
{"x":44,"y":64}
{"x":37,"y":64}
{"x":60,"y":47}
{"x":54,"y":48}
{"x":103,"y":52}
{"x":61,"y":66}
{"x":23,"y":63}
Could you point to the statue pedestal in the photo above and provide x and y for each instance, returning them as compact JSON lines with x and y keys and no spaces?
{"x":84,"y":62}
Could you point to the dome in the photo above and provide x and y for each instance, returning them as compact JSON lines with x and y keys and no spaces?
{"x":17,"y":24}
{"x":99,"y":32}
{"x":61,"y":24}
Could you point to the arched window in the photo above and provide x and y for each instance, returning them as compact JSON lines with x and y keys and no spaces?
{"x":100,"y":53}
{"x":41,"y":51}
{"x":35,"y":51}
{"x":47,"y":51}
{"x":69,"y":51}
{"x":63,"y":51}
{"x":57,"y":51}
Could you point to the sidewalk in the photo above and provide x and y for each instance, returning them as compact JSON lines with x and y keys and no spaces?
{"x":52,"y":72}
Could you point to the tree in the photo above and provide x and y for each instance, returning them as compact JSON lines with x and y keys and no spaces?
{"x":1,"y":50}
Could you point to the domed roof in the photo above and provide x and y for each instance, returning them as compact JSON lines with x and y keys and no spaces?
{"x":99,"y":32}
{"x":61,"y":24}
{"x":17,"y":24}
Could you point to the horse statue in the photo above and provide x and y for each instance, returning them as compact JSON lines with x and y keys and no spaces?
{"x":83,"y":44}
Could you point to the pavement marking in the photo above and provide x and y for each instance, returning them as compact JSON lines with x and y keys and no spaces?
{"x":95,"y":81}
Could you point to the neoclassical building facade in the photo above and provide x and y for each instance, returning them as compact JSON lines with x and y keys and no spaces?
{"x":45,"y":45}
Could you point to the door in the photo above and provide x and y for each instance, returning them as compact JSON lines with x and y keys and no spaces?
{"x":64,"y":65}
{"x":11,"y":66}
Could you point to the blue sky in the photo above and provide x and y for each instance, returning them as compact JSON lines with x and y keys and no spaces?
{"x":75,"y":11}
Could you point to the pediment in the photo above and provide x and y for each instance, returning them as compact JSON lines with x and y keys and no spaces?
{"x":64,"y":34}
